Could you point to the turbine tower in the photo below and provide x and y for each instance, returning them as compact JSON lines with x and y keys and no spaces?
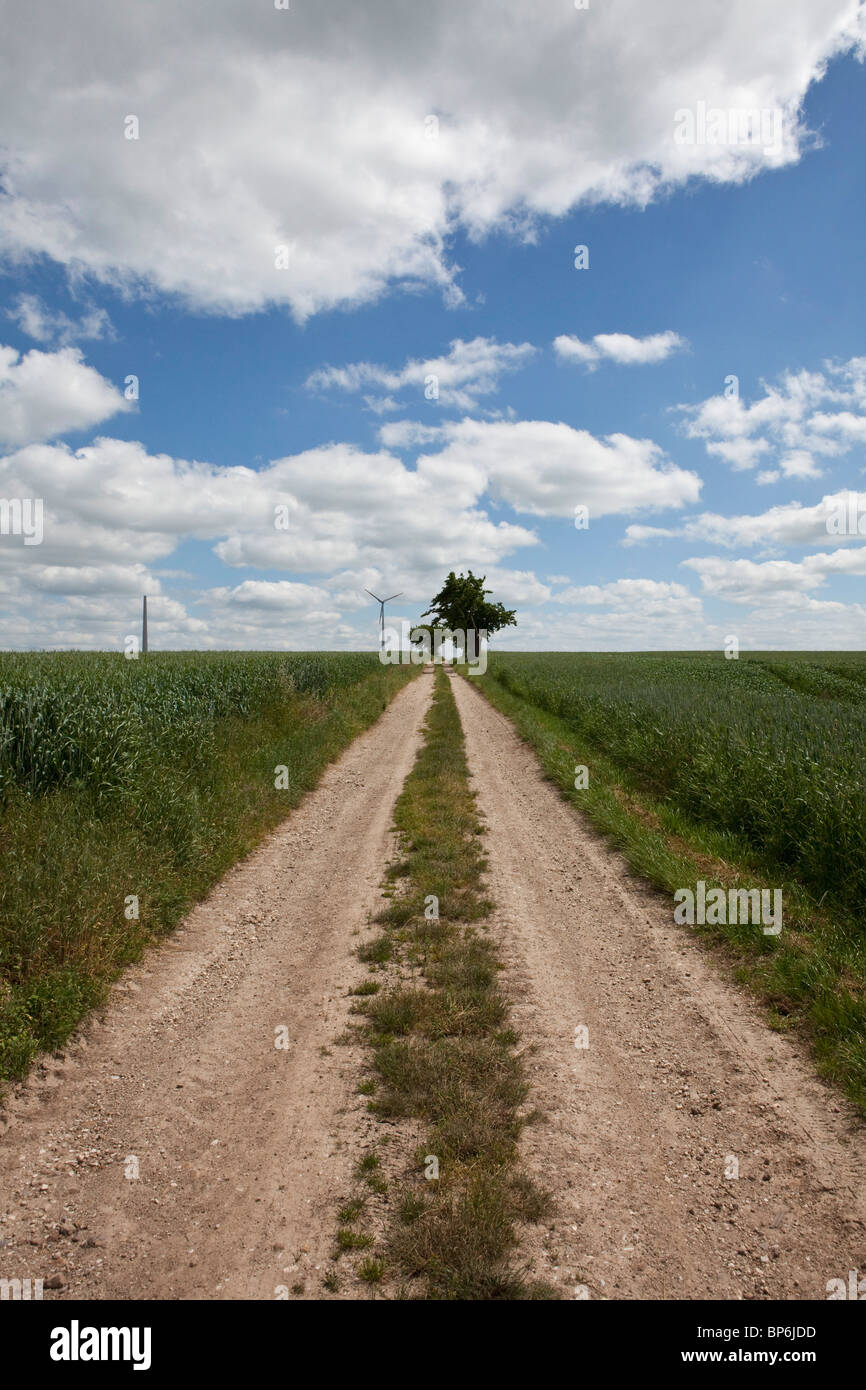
{"x":144,"y":623}
{"x":381,"y":602}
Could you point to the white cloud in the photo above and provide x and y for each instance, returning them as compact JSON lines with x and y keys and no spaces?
{"x":97,"y":609}
{"x":516,"y":588}
{"x":353,"y":509}
{"x":786,"y":421}
{"x":747,"y":581}
{"x":838,"y":518}
{"x":798,"y":621}
{"x":639,"y":596}
{"x":112,"y":510}
{"x":637,"y":533}
{"x":651,"y":615}
{"x":44,"y":394}
{"x":625,"y":614}
{"x":618,"y":347}
{"x":405,"y":434}
{"x":741,"y":453}
{"x":279,"y":596}
{"x":469,"y":370}
{"x":844,"y":423}
{"x":47,"y":325}
{"x":112,"y":503}
{"x":547,"y":469}
{"x":95,"y":579}
{"x":309,"y":128}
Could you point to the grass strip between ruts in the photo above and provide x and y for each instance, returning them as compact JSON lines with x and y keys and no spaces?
{"x":441,"y":1049}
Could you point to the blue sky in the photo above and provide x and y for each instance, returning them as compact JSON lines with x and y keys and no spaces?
{"x":411,"y":257}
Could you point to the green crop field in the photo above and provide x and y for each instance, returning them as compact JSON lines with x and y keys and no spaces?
{"x":744,"y":772}
{"x":144,"y":779}
{"x":768,"y":748}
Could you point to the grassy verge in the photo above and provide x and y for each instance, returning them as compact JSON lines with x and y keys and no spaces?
{"x":72,"y":859}
{"x":441,"y":1050}
{"x":811,"y":977}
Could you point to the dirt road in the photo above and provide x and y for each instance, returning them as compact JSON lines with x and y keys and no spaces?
{"x":242,"y":1149}
{"x":681,"y":1079}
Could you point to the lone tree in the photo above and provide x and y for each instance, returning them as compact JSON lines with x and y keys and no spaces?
{"x":461,"y":605}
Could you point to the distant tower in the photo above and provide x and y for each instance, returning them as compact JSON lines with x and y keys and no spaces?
{"x":381,"y":602}
{"x":144,"y":623}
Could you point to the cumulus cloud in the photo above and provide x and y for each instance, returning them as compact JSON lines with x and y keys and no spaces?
{"x":637,"y":595}
{"x":749,"y":581}
{"x":112,"y":502}
{"x":357,"y":519}
{"x":547,"y":469}
{"x":45,"y":394}
{"x":786,"y":423}
{"x":624,"y":614}
{"x":618,"y":347}
{"x":359,"y":137}
{"x":654,"y":615}
{"x":458,"y":379}
{"x":839,"y":517}
{"x":819,"y":624}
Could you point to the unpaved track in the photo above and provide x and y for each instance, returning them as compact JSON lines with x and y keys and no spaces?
{"x":243,"y":1150}
{"x":680,"y":1073}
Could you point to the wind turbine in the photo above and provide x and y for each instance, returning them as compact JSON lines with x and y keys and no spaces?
{"x":381,"y":602}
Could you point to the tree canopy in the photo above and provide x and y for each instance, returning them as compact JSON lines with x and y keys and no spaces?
{"x":461,"y":604}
